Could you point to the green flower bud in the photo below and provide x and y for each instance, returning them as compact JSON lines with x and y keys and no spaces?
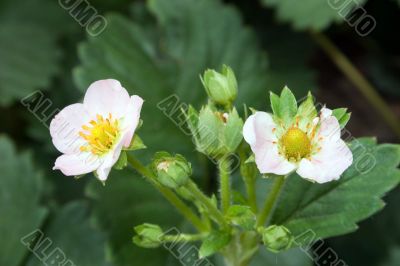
{"x":218,"y":134}
{"x":276,"y":238}
{"x":171,"y":171}
{"x":220,"y":87}
{"x":148,"y":236}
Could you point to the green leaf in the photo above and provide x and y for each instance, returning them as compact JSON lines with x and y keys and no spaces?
{"x":21,"y":213}
{"x":214,"y":242}
{"x":190,"y":37}
{"x":72,"y":234}
{"x":29,"y":30}
{"x":19,"y":71}
{"x":311,"y":14}
{"x":292,"y":257}
{"x":335,"y":208}
{"x":126,"y":201}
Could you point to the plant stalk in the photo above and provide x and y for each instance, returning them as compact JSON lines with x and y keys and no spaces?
{"x":225,"y":186}
{"x":360,"y":82}
{"x":206,"y":201}
{"x":270,"y":200}
{"x":168,"y":194}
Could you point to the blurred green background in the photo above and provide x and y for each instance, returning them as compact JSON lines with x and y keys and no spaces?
{"x":157,"y":48}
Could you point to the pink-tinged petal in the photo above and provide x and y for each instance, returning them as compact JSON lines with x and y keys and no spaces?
{"x":77,"y":164}
{"x":328,"y":164}
{"x":131,"y":119}
{"x":269,"y":161}
{"x":65,"y":127}
{"x":108,"y":161}
{"x":259,"y":128}
{"x":258,"y":131}
{"x":329,"y":126}
{"x":325,"y":112}
{"x":106,"y":96}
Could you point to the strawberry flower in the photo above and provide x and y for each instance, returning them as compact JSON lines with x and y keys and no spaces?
{"x":92,"y":134}
{"x":298,"y":140}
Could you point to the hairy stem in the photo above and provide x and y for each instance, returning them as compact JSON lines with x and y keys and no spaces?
{"x":168,"y":194}
{"x":206,"y":201}
{"x":183,"y":237}
{"x":225,"y":186}
{"x":251,"y":194}
{"x":270,"y":200}
{"x":355,"y":76}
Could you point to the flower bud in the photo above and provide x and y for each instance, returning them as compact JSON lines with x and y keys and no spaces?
{"x":171,"y":171}
{"x":220,"y":87}
{"x":148,"y":235}
{"x":217,"y":133}
{"x":276,"y":238}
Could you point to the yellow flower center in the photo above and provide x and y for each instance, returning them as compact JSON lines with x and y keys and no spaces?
{"x":100,"y":135}
{"x":295,"y":144}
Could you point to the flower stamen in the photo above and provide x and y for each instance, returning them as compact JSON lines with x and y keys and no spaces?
{"x":100,"y":135}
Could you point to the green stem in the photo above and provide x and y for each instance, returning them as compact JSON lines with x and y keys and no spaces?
{"x":183,"y":237}
{"x":168,"y":194}
{"x":206,"y":201}
{"x":225,"y":186}
{"x":251,"y":194}
{"x":355,"y":76}
{"x":270,"y":200}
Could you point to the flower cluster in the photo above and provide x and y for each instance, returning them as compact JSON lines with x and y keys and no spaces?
{"x":96,"y":135}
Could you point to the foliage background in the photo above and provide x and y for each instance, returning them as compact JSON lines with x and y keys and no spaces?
{"x":156,"y":48}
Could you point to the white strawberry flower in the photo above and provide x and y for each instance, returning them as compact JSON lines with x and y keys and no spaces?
{"x":304,"y":142}
{"x":92,"y":134}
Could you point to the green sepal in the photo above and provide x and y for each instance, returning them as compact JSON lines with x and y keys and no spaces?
{"x":213,"y":243}
{"x":242,"y":216}
{"x":251,"y":159}
{"x":136,"y":144}
{"x":284,"y":107}
{"x":79,"y":176}
{"x":342,"y":116}
{"x":287,"y":106}
{"x":122,"y":161}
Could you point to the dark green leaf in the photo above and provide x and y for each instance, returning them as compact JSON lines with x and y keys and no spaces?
{"x":310,"y":14}
{"x":357,"y":195}
{"x":73,"y":237}
{"x":20,"y":190}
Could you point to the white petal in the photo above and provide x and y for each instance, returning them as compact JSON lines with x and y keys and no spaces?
{"x":328,"y":164}
{"x":108,"y":161}
{"x":259,"y":128}
{"x":268,"y":160}
{"x":258,"y":131}
{"x":131,"y":119}
{"x":329,"y":126}
{"x":76,"y":164}
{"x":325,"y":112}
{"x":65,"y":127}
{"x":106,"y":96}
